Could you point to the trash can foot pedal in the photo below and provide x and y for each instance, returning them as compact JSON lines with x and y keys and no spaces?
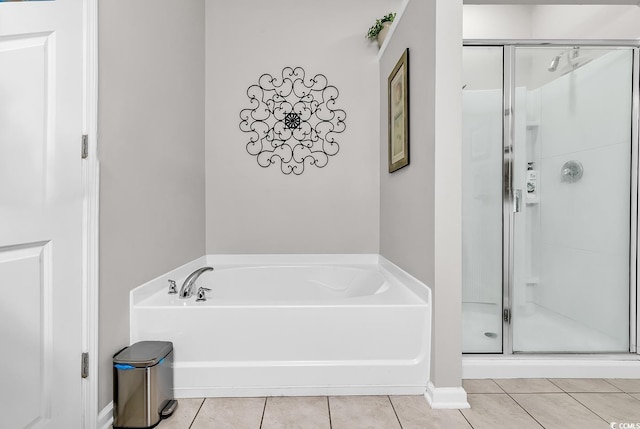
{"x":168,"y":409}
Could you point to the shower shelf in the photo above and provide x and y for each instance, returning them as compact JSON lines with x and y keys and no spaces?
{"x":532,"y":125}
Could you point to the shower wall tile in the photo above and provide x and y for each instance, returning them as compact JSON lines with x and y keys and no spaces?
{"x":592,"y":213}
{"x":575,"y":107}
{"x":588,"y":287}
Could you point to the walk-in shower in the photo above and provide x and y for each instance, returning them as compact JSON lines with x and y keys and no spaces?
{"x":549,"y":198}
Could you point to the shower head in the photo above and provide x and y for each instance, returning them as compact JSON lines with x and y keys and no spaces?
{"x":572,"y":60}
{"x":554,"y":63}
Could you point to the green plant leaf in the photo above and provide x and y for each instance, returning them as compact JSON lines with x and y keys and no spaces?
{"x":379,"y":25}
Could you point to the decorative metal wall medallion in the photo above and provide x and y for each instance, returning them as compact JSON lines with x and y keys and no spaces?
{"x":292,"y":120}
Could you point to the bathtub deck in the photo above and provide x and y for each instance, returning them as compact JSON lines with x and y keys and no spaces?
{"x":495,"y":404}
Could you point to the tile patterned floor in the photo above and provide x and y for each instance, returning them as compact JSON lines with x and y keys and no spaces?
{"x":495,"y":404}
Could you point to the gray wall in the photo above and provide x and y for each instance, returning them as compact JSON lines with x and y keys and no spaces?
{"x":603,"y":21}
{"x":151,"y":139}
{"x":407,"y":195}
{"x":548,"y":21}
{"x":420,"y":220}
{"x":251,"y":209}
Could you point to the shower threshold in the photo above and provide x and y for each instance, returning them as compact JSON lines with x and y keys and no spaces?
{"x":614,"y":365}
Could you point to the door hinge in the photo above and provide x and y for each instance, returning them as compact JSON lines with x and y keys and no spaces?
{"x":85,"y":146}
{"x":506,"y":315}
{"x":85,"y":365}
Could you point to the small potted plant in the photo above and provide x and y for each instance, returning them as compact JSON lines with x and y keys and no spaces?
{"x":379,"y":30}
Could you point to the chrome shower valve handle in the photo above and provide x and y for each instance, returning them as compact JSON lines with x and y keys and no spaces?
{"x":173,"y":289}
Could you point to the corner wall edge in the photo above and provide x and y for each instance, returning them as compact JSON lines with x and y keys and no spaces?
{"x":105,"y":417}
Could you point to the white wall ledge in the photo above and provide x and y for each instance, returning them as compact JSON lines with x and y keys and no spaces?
{"x":392,"y":28}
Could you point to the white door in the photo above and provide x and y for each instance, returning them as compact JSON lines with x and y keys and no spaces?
{"x":41,"y":88}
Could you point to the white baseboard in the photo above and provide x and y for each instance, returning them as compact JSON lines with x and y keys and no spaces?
{"x":105,"y":417}
{"x":446,"y":397}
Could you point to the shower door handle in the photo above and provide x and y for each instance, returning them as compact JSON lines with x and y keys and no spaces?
{"x":517,"y":200}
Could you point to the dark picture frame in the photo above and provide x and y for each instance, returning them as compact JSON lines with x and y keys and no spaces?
{"x":398,"y":107}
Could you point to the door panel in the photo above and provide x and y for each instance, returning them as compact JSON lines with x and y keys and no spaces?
{"x":482,"y":200}
{"x":25,"y":117}
{"x":572,"y":161}
{"x":41,"y":58}
{"x":27,"y":338}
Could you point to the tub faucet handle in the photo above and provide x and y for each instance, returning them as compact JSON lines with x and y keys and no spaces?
{"x":201,"y":295}
{"x":173,"y":289}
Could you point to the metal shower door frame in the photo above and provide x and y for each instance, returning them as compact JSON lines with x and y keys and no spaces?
{"x":508,"y":197}
{"x":509,"y":192}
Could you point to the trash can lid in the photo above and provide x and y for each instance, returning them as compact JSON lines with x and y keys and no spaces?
{"x":144,"y":353}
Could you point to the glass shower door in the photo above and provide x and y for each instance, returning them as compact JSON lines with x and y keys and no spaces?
{"x":482,"y":160}
{"x":571,"y":167}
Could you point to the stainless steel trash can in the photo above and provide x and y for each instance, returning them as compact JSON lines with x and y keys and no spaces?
{"x":143,"y":385}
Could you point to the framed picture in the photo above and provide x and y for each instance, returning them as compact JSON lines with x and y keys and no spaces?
{"x":398,"y":88}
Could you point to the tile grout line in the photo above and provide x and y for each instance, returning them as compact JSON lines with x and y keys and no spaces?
{"x":511,"y":397}
{"x":525,"y":410}
{"x":329,"y":410}
{"x":197,"y":412}
{"x":496,"y":383}
{"x":584,"y":405}
{"x":394,"y":411}
{"x":466,"y":419}
{"x":559,"y":387}
{"x":611,"y":384}
{"x":264,"y":408}
{"x":590,"y":391}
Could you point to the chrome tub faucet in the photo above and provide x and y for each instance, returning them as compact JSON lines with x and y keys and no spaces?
{"x":186,"y":291}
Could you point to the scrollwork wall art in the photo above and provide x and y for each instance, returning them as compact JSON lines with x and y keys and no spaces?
{"x":292,"y":120}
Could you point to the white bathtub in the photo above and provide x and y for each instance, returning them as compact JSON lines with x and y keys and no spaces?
{"x":291,"y":325}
